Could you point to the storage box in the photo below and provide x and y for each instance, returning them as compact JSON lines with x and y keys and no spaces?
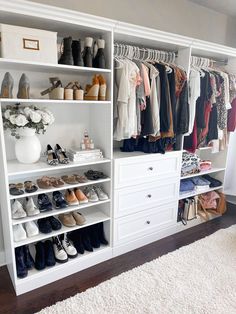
{"x":28,"y":44}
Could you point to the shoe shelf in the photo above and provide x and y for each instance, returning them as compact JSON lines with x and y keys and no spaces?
{"x":64,"y":187}
{"x":15,"y":168}
{"x":34,"y":273}
{"x":51,"y":101}
{"x":92,"y":218}
{"x":213,"y":170}
{"x":55,"y":212}
{"x":194,"y":193}
{"x":12,"y":64}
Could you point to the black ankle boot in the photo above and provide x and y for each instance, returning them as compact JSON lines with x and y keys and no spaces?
{"x":40,"y":256}
{"x":76,"y":52}
{"x":66,"y":57}
{"x":94,"y":238}
{"x":88,"y":57}
{"x":76,"y":238}
{"x":29,"y":262}
{"x":101,"y":234}
{"x":86,"y":240}
{"x":21,"y":268}
{"x":99,"y":60}
{"x":49,"y":253}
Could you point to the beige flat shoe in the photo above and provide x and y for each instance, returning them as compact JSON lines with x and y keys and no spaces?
{"x":67,"y":220}
{"x":79,"y":218}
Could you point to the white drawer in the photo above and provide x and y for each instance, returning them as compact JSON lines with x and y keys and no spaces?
{"x":144,"y":223}
{"x":148,"y":168}
{"x":137,"y":198}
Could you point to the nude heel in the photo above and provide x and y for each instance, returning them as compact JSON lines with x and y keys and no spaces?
{"x":92,"y":91}
{"x":24,"y":87}
{"x":102,"y":88}
{"x":7,"y":86}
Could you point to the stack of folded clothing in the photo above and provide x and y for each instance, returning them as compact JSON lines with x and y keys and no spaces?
{"x":201,"y":184}
{"x":190,"y":164}
{"x":198,"y":184}
{"x":186,"y":186}
{"x":205,"y":165}
{"x":214,"y":183}
{"x":78,"y":155}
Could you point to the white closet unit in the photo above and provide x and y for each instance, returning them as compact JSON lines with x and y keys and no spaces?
{"x":143,"y":188}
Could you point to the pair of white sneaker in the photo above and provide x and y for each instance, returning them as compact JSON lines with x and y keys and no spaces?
{"x":28,"y":209}
{"x":29,"y":230}
{"x":63,"y":249}
{"x":95,"y":194}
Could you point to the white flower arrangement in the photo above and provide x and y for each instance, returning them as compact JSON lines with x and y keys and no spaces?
{"x":31,"y":117}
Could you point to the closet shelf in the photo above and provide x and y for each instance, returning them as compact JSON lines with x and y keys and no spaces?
{"x":55,"y":212}
{"x":15,"y":168}
{"x":191,"y":194}
{"x":12,"y":64}
{"x":51,"y":101}
{"x":213,"y":170}
{"x":64,"y":187}
{"x":34,"y":273}
{"x":92,"y":218}
{"x":195,"y":222}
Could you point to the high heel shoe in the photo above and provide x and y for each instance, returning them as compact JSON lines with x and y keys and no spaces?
{"x":88,"y":57}
{"x":24,"y":87}
{"x":52,"y":159}
{"x":99,"y":60}
{"x":102,"y":88}
{"x":67,"y":57}
{"x":7,"y":86}
{"x":92,"y":91}
{"x":61,"y":155}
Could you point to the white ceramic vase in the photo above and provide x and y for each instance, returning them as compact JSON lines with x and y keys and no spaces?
{"x":28,"y":147}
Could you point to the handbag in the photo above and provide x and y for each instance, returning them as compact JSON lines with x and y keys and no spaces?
{"x":190,"y":208}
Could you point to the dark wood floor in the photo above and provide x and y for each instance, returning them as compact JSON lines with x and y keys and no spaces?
{"x":36,"y":300}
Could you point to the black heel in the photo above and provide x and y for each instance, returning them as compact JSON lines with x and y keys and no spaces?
{"x":51,"y":156}
{"x":61,"y":155}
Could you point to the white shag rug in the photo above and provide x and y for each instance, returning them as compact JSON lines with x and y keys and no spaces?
{"x":199,"y":278}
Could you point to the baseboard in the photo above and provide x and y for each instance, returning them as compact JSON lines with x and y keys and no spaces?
{"x":231,"y":199}
{"x":2,"y":258}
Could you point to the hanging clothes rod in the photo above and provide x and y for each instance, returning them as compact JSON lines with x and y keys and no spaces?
{"x":143,"y":54}
{"x":206,"y":62}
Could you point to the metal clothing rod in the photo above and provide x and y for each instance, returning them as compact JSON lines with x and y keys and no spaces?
{"x":143,"y":54}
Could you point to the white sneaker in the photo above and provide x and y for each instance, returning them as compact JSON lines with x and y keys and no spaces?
{"x":19,"y":233}
{"x":68,"y":246}
{"x":91,"y":194}
{"x":100,"y":193}
{"x":59,"y":252}
{"x":30,"y":208}
{"x":17,"y":210}
{"x":31,"y":229}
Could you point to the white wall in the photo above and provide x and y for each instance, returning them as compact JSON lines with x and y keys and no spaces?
{"x":176,"y":16}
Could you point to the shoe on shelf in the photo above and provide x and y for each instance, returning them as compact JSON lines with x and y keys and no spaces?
{"x":77,"y":53}
{"x":24,"y":87}
{"x":67,"y":57}
{"x":95,"y":175}
{"x":80,"y":196}
{"x":56,"y":91}
{"x":100,"y":193}
{"x":61,"y":155}
{"x":69,"y":179}
{"x":56,"y":182}
{"x":44,"y":203}
{"x":28,"y":259}
{"x":58,"y":200}
{"x":87,"y":53}
{"x":30,"y":187}
{"x":92,"y":91}
{"x":44,"y":183}
{"x":17,"y":210}
{"x":55,"y":223}
{"x":40,"y":262}
{"x":102,"y":88}
{"x":80,"y":178}
{"x":49,"y":253}
{"x":44,"y":225}
{"x":94,"y":236}
{"x":21,"y":268}
{"x":79,"y":218}
{"x":19,"y":233}
{"x":7,"y":86}
{"x":30,"y":208}
{"x":31,"y":229}
{"x":59,"y":252}
{"x":67,"y":220}
{"x":86,"y":240}
{"x":101,"y":233}
{"x":16,"y":189}
{"x":76,"y":238}
{"x":52,"y":159}
{"x":68,"y":246}
{"x":99,"y":60}
{"x":70,"y":198}
{"x":91,"y":194}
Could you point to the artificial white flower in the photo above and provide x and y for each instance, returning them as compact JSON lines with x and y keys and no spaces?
{"x":7,"y":114}
{"x":27,"y":111}
{"x":52,"y":119}
{"x":21,"y":120}
{"x":45,"y":117}
{"x":13,"y":119}
{"x":35,"y":116}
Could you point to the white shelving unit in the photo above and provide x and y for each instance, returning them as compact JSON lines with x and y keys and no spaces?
{"x":157,"y":217}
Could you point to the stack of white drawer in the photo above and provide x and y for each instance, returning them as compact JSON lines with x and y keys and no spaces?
{"x":146,"y":190}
